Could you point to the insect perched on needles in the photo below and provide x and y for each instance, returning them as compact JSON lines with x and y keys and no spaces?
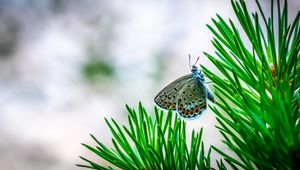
{"x":187,"y":95}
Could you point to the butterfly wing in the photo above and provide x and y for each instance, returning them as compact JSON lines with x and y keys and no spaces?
{"x":168,"y":96}
{"x":192,"y":100}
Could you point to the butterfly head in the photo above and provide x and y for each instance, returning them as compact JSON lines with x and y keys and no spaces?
{"x":195,"y":69}
{"x":197,"y":73}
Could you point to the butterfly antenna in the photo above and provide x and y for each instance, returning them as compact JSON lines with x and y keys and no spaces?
{"x":190,"y":60}
{"x":197,"y":60}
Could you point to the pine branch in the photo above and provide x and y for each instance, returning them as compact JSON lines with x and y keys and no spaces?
{"x":259,"y":93}
{"x":148,"y":143}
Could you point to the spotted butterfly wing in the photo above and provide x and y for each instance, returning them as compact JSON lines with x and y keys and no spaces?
{"x":167,"y":98}
{"x":192,"y":99}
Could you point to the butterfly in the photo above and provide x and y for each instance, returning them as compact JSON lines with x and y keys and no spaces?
{"x":187,"y":95}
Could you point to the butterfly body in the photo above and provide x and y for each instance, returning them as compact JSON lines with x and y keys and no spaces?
{"x":187,"y":95}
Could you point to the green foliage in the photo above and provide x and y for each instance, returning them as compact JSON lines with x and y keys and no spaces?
{"x":148,"y":143}
{"x":260,"y":89}
{"x":96,"y":69}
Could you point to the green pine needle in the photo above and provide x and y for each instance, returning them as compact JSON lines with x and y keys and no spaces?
{"x":258,"y":107}
{"x":150,"y":143}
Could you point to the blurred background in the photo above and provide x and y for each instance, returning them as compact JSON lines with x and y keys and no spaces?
{"x":65,"y":65}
